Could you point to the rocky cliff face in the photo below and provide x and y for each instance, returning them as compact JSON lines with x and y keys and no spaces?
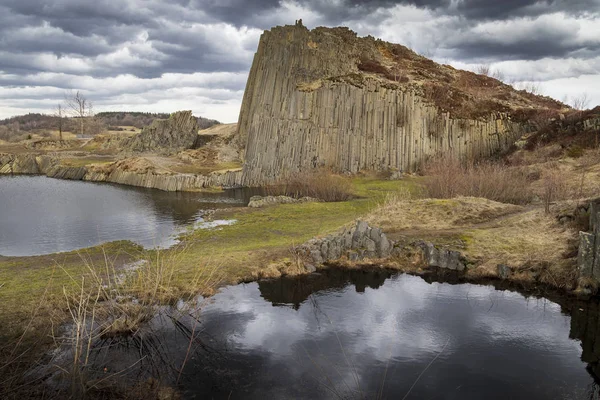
{"x":328,"y":98}
{"x":166,"y":136}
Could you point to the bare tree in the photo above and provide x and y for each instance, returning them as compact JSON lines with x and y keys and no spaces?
{"x":532,"y":87}
{"x":498,"y":74}
{"x":581,"y":102}
{"x":483,"y":69}
{"x":80,"y":107}
{"x":59,"y":113}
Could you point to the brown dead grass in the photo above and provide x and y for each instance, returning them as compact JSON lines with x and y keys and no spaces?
{"x":448,"y":177}
{"x":321,"y":184}
{"x":532,"y":238}
{"x":397,"y":214}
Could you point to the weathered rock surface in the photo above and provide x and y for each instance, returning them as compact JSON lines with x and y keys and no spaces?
{"x":585,"y":255}
{"x":259,"y":201}
{"x":504,"y":271}
{"x":588,"y":255}
{"x":307,"y":104}
{"x":363,"y":242}
{"x":441,"y":257}
{"x":177,"y":133}
{"x":49,"y":166}
{"x":356,"y":243}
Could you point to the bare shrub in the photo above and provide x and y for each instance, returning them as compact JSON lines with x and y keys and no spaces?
{"x":581,"y":102}
{"x":498,"y":74}
{"x":483,"y":69}
{"x":556,"y":187}
{"x":448,"y":177}
{"x":372,"y":66}
{"x":320,"y":184}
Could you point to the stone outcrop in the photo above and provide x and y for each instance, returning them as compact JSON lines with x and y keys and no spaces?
{"x":356,"y":243}
{"x":166,"y":136}
{"x":173,"y":182}
{"x":167,"y":182}
{"x":260,"y":201}
{"x":588,"y":257}
{"x":441,"y":257}
{"x":311,"y":102}
{"x":361,"y":242}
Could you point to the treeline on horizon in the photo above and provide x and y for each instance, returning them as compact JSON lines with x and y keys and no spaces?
{"x":20,"y":126}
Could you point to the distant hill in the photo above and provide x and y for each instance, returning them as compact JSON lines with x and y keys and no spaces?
{"x":21,"y":126}
{"x":141,"y":119}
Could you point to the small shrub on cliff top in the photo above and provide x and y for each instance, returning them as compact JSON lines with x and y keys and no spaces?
{"x":320,"y":184}
{"x":448,"y":177}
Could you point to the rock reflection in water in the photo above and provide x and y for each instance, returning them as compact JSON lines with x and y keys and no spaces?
{"x":585,"y":326}
{"x":294,"y":291}
{"x":363,"y":335}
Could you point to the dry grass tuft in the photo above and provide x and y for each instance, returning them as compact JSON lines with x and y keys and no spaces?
{"x":556,"y":187}
{"x":448,"y":177}
{"x":527,"y":240}
{"x":293,"y":265}
{"x":399,"y":212}
{"x":107,"y":303}
{"x":321,"y":184}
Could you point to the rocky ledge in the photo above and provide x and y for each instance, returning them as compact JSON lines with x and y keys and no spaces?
{"x":31,"y":164}
{"x":259,"y":201}
{"x":362,"y":242}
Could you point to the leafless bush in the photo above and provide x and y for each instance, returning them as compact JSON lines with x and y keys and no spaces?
{"x":483,"y":69}
{"x":321,"y":184}
{"x":581,"y":102}
{"x":556,"y":187}
{"x":498,"y":74}
{"x":448,"y":177}
{"x":529,"y":87}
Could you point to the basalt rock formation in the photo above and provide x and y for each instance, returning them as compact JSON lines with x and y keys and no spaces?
{"x":588,"y":257}
{"x":166,"y":136}
{"x":125,"y":172}
{"x":326,"y":97}
{"x":363,"y":242}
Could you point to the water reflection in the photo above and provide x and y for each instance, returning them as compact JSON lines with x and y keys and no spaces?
{"x":39,"y":215}
{"x":363,"y":335}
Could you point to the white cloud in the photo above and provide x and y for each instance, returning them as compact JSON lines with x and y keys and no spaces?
{"x":213,"y":95}
{"x":145,"y":53}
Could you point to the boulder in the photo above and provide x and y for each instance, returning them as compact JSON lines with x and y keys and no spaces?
{"x":585,"y":256}
{"x":25,"y":164}
{"x":166,"y":136}
{"x":441,"y":257}
{"x":355,"y":243}
{"x":504,"y":271}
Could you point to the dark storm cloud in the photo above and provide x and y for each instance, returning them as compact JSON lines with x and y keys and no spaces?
{"x":94,"y":28}
{"x":145,"y":39}
{"x":505,"y":9}
{"x":534,"y":48}
{"x":82,"y":18}
{"x":245,"y":12}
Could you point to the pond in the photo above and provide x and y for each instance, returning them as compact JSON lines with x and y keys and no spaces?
{"x":341,"y":335}
{"x":40,"y":215}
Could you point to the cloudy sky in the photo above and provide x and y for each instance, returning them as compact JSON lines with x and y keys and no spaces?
{"x":153,"y":55}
